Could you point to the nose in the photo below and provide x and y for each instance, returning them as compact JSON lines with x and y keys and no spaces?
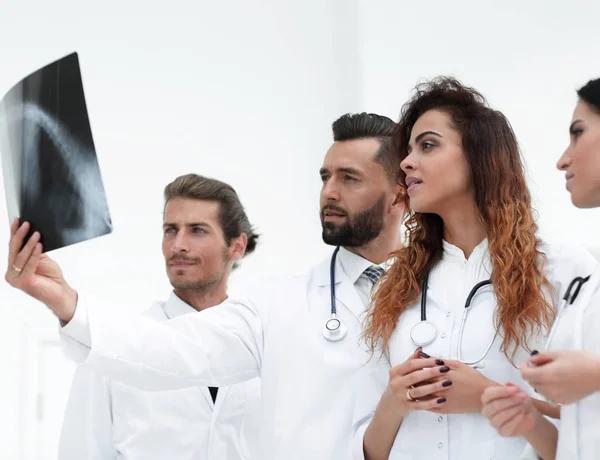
{"x":564,"y":161}
{"x":330,"y":190}
{"x":408,"y":164}
{"x":180,"y":243}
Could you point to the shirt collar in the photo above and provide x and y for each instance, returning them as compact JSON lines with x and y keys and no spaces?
{"x":454,"y":253}
{"x":354,"y":265}
{"x":176,"y":307}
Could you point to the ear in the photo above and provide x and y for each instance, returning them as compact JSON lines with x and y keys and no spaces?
{"x":399,"y":205}
{"x":237,"y":248}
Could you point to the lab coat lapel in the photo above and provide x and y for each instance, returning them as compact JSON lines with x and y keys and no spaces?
{"x":345,"y":292}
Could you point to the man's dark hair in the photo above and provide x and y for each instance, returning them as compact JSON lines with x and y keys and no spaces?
{"x":370,"y":125}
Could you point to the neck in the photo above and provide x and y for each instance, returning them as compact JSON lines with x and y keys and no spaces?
{"x":378,"y":250}
{"x":200,"y":299}
{"x":463,"y":227}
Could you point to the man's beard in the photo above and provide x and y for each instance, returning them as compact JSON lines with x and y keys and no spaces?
{"x":204,"y":283}
{"x":358,"y":230}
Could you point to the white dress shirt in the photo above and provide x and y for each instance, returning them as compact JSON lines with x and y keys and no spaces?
{"x":106,"y":420}
{"x":431,"y":436}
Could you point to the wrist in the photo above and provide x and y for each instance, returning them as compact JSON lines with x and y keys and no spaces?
{"x":389,"y":401}
{"x":66,"y":310}
{"x":486,"y":384}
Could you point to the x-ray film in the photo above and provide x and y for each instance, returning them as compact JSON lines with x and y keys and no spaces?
{"x":51,"y":173}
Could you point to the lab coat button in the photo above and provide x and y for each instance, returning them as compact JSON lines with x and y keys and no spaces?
{"x":440,"y":445}
{"x":443,"y":336}
{"x":447,"y":314}
{"x":440,"y":419}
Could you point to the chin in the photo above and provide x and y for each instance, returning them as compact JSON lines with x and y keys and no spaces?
{"x":585,"y":202}
{"x":421,"y":207}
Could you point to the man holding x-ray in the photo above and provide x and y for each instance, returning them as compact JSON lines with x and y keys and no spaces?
{"x":299,"y":334}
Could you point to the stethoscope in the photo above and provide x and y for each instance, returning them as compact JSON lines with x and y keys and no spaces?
{"x":567,"y":299}
{"x":424,"y":332}
{"x":334,"y":330}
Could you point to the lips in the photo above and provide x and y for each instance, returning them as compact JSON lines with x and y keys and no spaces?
{"x":181,"y":263}
{"x":411,"y":183}
{"x":330,"y":212}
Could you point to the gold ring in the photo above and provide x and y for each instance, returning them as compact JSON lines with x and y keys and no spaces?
{"x":17,"y":269}
{"x":408,"y":396}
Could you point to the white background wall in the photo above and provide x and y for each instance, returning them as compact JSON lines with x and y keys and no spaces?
{"x":246,"y":91}
{"x":526,"y":57}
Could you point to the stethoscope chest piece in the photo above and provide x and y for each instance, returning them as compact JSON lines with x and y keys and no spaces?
{"x":423,"y":333}
{"x":334,"y":330}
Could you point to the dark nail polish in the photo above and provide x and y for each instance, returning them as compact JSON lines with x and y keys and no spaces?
{"x":444,"y":369}
{"x":441,"y":400}
{"x":534,"y":352}
{"x":424,"y":355}
{"x":447,"y":383}
{"x":419,"y":348}
{"x":439,"y":362}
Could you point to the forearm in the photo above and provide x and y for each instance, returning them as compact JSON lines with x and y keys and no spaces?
{"x":545,"y":408}
{"x":381,"y":432}
{"x":596,"y":371}
{"x":543,"y":438}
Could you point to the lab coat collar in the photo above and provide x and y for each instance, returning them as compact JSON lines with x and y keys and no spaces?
{"x":175,"y":307}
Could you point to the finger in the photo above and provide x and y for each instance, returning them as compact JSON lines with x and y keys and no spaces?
{"x":533,"y":375}
{"x":14,"y":226}
{"x":498,"y":406}
{"x":16,"y":243}
{"x":23,"y":256}
{"x":424,"y":375}
{"x":429,"y":404}
{"x":494,"y":393}
{"x":412,"y":365}
{"x":416,"y":353}
{"x":31,"y":265}
{"x":509,"y":427}
{"x":500,"y":419}
{"x":539,"y":359}
{"x":433,"y":389}
{"x":13,"y":229}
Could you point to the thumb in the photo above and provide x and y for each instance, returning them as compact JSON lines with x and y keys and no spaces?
{"x":539,"y":359}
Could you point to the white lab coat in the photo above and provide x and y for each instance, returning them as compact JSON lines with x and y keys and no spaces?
{"x":107,"y":420}
{"x":578,"y":328}
{"x":431,"y":436}
{"x":275,"y":331}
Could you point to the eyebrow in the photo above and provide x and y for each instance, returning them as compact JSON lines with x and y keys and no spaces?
{"x":422,"y":135}
{"x":193,"y":224}
{"x":348,"y":170}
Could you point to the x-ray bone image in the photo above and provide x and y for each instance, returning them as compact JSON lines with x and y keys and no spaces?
{"x":49,"y":164}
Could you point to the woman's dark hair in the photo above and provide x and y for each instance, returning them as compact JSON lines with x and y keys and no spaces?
{"x":590,"y":93}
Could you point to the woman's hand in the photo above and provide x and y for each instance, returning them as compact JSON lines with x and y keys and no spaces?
{"x":563,"y":377}
{"x":509,"y":409}
{"x":512,"y":412}
{"x":468,"y":384}
{"x":419,"y":383}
